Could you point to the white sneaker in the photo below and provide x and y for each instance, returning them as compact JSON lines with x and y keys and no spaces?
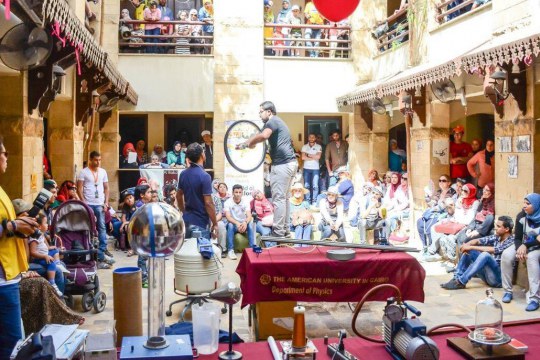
{"x":58,"y":292}
{"x":62,"y":268}
{"x":231,"y":255}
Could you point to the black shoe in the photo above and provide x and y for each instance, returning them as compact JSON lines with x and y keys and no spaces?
{"x":108,"y":253}
{"x":453,"y":285}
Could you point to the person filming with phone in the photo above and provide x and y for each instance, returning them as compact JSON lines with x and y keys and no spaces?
{"x":13,"y":263}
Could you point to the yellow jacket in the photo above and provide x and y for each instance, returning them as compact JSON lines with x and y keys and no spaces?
{"x":13,"y":257}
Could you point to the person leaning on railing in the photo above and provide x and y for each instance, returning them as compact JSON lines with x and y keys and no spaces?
{"x":151,"y":15}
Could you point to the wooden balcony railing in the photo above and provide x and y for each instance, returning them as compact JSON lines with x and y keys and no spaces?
{"x":450,"y":9}
{"x":314,"y":41}
{"x":134,"y":39}
{"x":392,"y":31}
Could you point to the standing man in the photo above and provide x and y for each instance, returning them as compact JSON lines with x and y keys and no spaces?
{"x":13,"y":261}
{"x":208,"y":147}
{"x":194,"y":195}
{"x":335,"y":156}
{"x":311,"y":153}
{"x":93,"y":189}
{"x":460,"y":153}
{"x":284,"y":164}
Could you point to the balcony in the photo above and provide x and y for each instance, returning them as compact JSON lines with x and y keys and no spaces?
{"x":393,"y":31}
{"x":175,"y":37}
{"x":307,"y":41}
{"x":448,"y":10}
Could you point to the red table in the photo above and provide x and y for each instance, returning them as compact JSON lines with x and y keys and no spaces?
{"x":306,"y":274}
{"x":527,"y":332}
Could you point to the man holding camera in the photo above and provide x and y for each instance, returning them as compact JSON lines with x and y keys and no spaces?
{"x":13,"y":262}
{"x":93,"y":189}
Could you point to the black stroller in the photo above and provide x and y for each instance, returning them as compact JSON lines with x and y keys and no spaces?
{"x":73,"y":227}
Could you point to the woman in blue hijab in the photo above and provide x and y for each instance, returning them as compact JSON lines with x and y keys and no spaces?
{"x":176,"y":157}
{"x":531,"y":240}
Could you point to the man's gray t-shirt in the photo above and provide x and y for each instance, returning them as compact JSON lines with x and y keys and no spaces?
{"x":281,"y":150}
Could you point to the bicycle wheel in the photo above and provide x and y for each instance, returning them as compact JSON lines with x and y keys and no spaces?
{"x":244,"y":160}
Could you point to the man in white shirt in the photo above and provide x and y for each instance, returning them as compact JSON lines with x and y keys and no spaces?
{"x":238,"y":214}
{"x":93,"y":189}
{"x":311,"y":154}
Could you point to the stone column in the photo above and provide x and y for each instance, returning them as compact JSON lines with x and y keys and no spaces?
{"x":379,"y":143}
{"x":358,"y":147}
{"x":65,"y":142}
{"x":23,"y":139}
{"x":238,"y":73}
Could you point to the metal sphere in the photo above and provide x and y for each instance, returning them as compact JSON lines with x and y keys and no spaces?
{"x":156,"y":229}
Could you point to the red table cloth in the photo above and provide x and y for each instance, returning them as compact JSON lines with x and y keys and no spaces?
{"x":306,"y":274}
{"x":527,"y":332}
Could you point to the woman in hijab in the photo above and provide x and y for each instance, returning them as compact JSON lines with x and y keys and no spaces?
{"x":142,"y":156}
{"x":466,"y":205}
{"x":396,"y":157}
{"x":68,"y":191}
{"x":176,"y":157}
{"x":265,"y":213}
{"x":160,"y":153}
{"x":124,"y":160}
{"x":530,"y":249}
{"x":482,"y":166}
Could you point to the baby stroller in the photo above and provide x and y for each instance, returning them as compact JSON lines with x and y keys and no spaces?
{"x":74,"y":226}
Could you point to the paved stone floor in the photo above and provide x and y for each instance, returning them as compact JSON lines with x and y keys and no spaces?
{"x":441,"y":306}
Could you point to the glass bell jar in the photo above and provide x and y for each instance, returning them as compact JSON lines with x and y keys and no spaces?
{"x":488,"y":320}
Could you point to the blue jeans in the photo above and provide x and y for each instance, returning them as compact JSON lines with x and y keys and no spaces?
{"x":59,"y":279}
{"x":102,"y":232}
{"x":327,"y":231}
{"x":49,"y":266}
{"x":311,"y":182}
{"x":478,"y":263}
{"x":332,"y":180}
{"x":263,"y":230}
{"x":10,"y":319}
{"x":152,"y":49}
{"x":205,"y":233}
{"x":313,"y":34}
{"x":302,"y":232}
{"x":232,"y":230}
{"x":142,"y":263}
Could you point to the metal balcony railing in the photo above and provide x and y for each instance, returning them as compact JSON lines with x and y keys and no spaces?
{"x":392,"y":31}
{"x":451,"y":9}
{"x":173,"y":37}
{"x":314,"y":41}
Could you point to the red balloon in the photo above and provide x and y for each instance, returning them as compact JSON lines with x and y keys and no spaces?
{"x":336,"y":10}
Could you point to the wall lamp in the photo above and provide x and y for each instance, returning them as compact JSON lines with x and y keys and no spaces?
{"x":499,"y":85}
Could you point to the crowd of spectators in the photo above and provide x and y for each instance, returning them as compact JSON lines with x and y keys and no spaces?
{"x":287,"y":38}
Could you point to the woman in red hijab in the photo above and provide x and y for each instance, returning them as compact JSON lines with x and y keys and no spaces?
{"x":124,"y":160}
{"x":484,"y":218}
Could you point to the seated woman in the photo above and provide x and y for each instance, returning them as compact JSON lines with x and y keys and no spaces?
{"x":176,"y":158}
{"x":436,"y":204}
{"x":161,"y":154}
{"x":223,"y":193}
{"x":40,"y":305}
{"x":301,"y":218}
{"x":332,"y":215}
{"x":125,"y":159}
{"x":142,"y":155}
{"x":128,"y":208}
{"x":265,"y":213}
{"x":396,"y":201}
{"x":68,"y":191}
{"x":484,"y":219}
{"x":155,"y":163}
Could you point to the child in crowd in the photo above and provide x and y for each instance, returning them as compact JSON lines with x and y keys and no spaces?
{"x":44,"y":254}
{"x":371,"y":217}
{"x":144,"y":195}
{"x":128,"y":209}
{"x":332,"y":215}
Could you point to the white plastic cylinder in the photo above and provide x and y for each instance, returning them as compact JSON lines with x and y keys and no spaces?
{"x":205,"y":327}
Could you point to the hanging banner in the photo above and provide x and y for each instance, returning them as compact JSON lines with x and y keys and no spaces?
{"x":162,"y":177}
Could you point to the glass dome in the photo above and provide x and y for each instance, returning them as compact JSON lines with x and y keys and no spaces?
{"x":488,"y":320}
{"x":156,"y":229}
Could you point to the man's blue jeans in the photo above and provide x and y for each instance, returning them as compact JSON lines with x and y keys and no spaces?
{"x":152,"y":49}
{"x":232,"y":230}
{"x":478,"y":263}
{"x":302,"y":232}
{"x":102,"y":232}
{"x":10,"y":319}
{"x":311,"y":182}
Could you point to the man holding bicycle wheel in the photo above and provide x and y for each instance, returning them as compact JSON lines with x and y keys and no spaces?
{"x":284,"y":164}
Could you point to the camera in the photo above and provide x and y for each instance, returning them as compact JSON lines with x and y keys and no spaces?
{"x":41,"y":199}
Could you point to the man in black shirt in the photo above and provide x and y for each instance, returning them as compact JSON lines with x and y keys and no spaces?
{"x":284,"y":164}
